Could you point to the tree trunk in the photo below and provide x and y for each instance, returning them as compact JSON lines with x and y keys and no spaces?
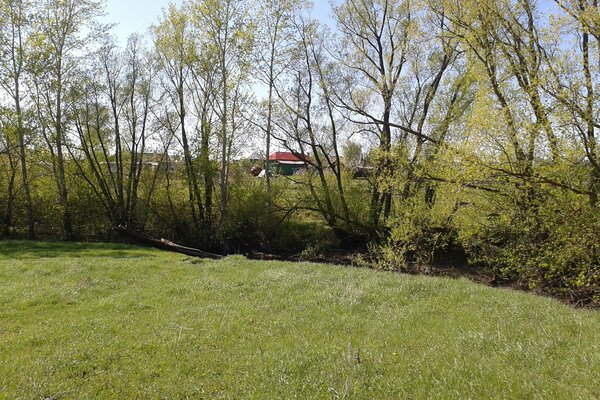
{"x":24,"y":169}
{"x":224,"y":166}
{"x":8,"y":212}
{"x":61,"y":177}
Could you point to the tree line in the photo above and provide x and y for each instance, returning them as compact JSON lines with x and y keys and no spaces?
{"x":474,"y":121}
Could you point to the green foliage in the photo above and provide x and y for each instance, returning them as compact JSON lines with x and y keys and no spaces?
{"x":553,"y":245}
{"x":479,"y":132}
{"x":250,"y":227}
{"x":538,"y":235}
{"x":249,"y":223}
{"x":419,"y":231}
{"x":353,"y":154}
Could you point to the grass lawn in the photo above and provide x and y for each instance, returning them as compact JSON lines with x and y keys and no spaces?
{"x":81,"y":321}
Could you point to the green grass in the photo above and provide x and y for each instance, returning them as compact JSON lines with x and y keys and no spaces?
{"x":110,"y":321}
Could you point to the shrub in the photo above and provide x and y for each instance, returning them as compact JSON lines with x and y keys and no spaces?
{"x":419,"y":233}
{"x":552,"y":245}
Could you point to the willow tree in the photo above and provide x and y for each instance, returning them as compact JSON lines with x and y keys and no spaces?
{"x":64,"y":30}
{"x":573,"y":60}
{"x":8,"y":166}
{"x":15,"y":27}
{"x":298,"y":120}
{"x":273,"y":46}
{"x":176,"y":51}
{"x":373,"y":50}
{"x":308,"y":123}
{"x":110,"y":109}
{"x":225,"y":29}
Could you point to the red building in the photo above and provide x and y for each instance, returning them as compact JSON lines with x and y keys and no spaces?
{"x":287,"y":163}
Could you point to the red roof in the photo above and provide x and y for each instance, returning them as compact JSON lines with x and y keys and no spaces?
{"x":285,"y":156}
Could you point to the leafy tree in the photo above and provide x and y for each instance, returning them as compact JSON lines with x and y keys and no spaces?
{"x":273,"y":47}
{"x":226,"y":30}
{"x":176,"y":51}
{"x":14,"y":32}
{"x":64,"y":29}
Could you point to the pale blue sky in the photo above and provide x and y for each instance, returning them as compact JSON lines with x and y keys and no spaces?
{"x":137,"y":15}
{"x":133,"y":15}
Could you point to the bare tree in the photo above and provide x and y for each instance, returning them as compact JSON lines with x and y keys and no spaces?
{"x":375,"y":36}
{"x":111,"y":110}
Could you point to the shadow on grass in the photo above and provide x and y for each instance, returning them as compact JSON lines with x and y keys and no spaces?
{"x":29,"y":249}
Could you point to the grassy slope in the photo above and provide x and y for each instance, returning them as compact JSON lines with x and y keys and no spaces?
{"x":109,"y":321}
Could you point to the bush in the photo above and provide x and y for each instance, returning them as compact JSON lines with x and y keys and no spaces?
{"x":552,"y":245}
{"x":419,"y":233}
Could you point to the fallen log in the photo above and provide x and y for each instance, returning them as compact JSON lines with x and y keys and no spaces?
{"x":165,"y":244}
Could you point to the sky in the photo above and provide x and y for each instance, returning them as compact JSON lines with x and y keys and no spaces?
{"x":137,"y":15}
{"x":134,"y":15}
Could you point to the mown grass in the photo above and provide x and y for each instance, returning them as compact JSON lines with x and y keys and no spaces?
{"x":111,"y":321}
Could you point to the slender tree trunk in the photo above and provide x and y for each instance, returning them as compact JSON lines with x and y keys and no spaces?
{"x":224,"y":166}
{"x":17,"y":11}
{"x":24,"y":169}
{"x":589,"y":112}
{"x":195,"y":196}
{"x":381,"y":200}
{"x":116,"y":175}
{"x":61,"y":176}
{"x":269,"y":126}
{"x":206,"y":167}
{"x":10,"y":201}
{"x":132,"y":209}
{"x":336,"y":167}
{"x":119,"y":171}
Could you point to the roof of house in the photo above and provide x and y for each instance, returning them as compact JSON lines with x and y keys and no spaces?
{"x":286,"y":156}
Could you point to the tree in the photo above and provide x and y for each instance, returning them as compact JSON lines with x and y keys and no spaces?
{"x":275,"y":23}
{"x":375,"y":36}
{"x":204,"y":93}
{"x":176,"y":51}
{"x":307,"y":124}
{"x":63,"y":30}
{"x":226,"y":28}
{"x":111,"y":109}
{"x":14,"y":32}
{"x":8,"y":162}
{"x":573,"y":78}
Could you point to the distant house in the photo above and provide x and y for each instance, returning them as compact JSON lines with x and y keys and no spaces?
{"x":287,"y":163}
